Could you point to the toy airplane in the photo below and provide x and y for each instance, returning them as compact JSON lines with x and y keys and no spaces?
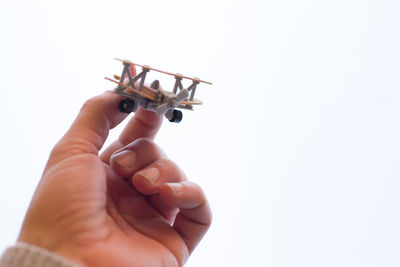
{"x":132,"y":86}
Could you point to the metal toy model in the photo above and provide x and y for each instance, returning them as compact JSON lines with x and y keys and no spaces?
{"x":152,"y":97}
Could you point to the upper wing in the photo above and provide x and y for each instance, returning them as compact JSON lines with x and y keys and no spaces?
{"x":161,"y":71}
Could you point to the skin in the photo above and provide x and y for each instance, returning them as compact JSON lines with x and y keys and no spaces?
{"x":129,"y":206}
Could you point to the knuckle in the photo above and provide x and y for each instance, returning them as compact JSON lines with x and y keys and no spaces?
{"x":194,"y":186}
{"x":89,"y":104}
{"x":60,"y":148}
{"x":93,"y":102}
{"x":170,"y":168}
{"x":166,"y":163}
{"x":69,"y":146}
{"x":147,"y":145}
{"x":145,"y":141}
{"x":197,"y":189}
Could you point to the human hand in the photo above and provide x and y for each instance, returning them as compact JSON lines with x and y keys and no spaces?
{"x":131,"y":206}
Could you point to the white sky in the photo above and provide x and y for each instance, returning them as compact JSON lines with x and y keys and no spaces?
{"x":297,"y":144}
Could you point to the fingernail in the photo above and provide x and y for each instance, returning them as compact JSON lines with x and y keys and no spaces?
{"x":176,"y":187}
{"x":126,"y":159}
{"x":151,"y":174}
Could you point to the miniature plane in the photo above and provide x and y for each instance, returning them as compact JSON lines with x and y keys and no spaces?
{"x":152,"y":97}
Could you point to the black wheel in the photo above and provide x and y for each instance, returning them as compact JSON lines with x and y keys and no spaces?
{"x":126,"y":105}
{"x":176,"y":116}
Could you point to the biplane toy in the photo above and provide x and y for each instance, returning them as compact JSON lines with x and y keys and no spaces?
{"x":153,"y":97}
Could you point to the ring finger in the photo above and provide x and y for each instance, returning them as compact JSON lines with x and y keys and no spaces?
{"x":148,"y":181}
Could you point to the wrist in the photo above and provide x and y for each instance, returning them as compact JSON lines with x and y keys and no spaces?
{"x":47,"y":245}
{"x":27,"y":255}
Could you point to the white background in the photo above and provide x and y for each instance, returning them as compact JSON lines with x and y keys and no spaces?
{"x":297,"y":145}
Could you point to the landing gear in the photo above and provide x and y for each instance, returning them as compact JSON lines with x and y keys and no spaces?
{"x":127,"y":106}
{"x":176,"y":116}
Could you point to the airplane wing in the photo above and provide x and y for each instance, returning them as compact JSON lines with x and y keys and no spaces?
{"x":161,"y":71}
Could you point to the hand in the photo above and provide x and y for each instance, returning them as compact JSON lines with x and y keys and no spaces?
{"x":131,"y":206}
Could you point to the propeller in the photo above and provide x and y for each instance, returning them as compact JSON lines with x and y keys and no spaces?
{"x":172,"y":102}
